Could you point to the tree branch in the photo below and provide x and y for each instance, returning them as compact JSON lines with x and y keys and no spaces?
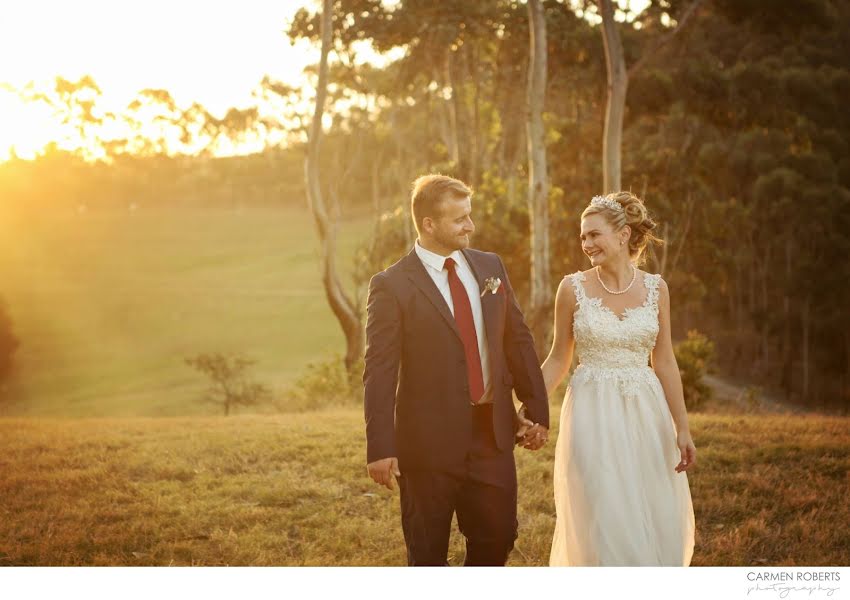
{"x":664,"y":39}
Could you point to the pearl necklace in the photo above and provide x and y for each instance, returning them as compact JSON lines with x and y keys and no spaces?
{"x":628,"y":287}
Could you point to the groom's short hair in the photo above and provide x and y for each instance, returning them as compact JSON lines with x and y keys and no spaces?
{"x":429,"y":191}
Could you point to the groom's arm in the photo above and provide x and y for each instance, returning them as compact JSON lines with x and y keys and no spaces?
{"x":522,"y":360}
{"x":380,"y":375}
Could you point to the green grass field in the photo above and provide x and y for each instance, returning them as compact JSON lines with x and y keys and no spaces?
{"x":292,"y":490}
{"x":108,"y":304}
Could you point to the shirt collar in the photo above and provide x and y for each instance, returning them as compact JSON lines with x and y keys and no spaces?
{"x":436,"y":261}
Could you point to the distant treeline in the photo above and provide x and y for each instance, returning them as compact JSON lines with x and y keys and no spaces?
{"x":64,"y":180}
{"x":736,"y":135}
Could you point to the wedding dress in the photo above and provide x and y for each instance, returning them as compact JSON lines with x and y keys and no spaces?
{"x":617,"y":496}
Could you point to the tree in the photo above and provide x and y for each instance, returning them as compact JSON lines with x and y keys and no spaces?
{"x":538,"y":178}
{"x":8,"y":342}
{"x":230,"y":385}
{"x":345,"y":311}
{"x":618,"y":84}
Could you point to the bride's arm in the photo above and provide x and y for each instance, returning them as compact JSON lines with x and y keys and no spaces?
{"x":557,"y":364}
{"x":667,"y":369}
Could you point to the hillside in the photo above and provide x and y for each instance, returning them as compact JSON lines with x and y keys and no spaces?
{"x":107,"y":304}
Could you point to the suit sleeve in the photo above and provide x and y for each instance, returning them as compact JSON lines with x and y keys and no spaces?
{"x":522,"y":360}
{"x":380,"y":375}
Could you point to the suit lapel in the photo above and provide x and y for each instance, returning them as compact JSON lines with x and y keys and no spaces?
{"x":489,"y":310}
{"x":419,"y":276}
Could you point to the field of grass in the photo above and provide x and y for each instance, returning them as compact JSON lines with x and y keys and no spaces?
{"x":292,"y":490}
{"x":108,"y":304}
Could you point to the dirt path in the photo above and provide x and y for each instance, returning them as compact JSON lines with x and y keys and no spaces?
{"x":744,"y":398}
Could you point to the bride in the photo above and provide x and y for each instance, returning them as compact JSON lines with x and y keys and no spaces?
{"x":621,"y":491}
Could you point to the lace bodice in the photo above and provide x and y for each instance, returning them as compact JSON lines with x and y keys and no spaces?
{"x":612,"y":345}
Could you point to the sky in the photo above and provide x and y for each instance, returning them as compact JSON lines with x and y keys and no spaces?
{"x":213,"y":52}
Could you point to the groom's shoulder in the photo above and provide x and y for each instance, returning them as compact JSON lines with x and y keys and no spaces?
{"x":392,"y":272}
{"x":485,"y":256}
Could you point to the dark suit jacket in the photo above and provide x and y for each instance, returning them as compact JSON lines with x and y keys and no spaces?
{"x":416,"y":387}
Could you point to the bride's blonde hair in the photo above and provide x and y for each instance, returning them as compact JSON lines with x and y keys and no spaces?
{"x":633,"y":214}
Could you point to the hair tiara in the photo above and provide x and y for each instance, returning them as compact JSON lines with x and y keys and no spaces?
{"x":603,"y":202}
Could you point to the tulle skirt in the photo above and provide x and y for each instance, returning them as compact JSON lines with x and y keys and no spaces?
{"x":618,"y":498}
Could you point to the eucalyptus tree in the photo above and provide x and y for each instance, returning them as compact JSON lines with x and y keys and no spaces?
{"x":618,"y":74}
{"x":342,"y":306}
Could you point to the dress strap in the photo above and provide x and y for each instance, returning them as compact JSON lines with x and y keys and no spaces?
{"x":576,"y":279}
{"x":651,"y":281}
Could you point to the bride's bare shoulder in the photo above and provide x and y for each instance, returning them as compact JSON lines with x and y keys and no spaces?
{"x":646,"y":276}
{"x":566,"y":296}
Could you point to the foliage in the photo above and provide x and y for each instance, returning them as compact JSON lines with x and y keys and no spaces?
{"x":694,"y":356}
{"x":230,"y":386}
{"x":324,"y":384}
{"x":389,"y":241}
{"x":734,"y":135}
{"x":8,"y":342}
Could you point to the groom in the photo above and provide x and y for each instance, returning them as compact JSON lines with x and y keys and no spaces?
{"x":446,"y":343}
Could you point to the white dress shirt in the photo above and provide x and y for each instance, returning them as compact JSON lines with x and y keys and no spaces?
{"x":434,"y":265}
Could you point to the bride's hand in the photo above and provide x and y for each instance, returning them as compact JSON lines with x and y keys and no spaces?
{"x":687,"y":450}
{"x":523,"y":424}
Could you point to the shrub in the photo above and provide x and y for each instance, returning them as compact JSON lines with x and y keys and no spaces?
{"x":323,"y":384}
{"x":694,"y":356}
{"x":8,"y":342}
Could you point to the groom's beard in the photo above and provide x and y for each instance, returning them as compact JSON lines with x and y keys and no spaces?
{"x":452,"y":241}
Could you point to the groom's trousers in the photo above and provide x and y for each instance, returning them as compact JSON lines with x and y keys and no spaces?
{"x":484,"y":498}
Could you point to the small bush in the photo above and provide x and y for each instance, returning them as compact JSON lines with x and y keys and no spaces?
{"x":325,"y":384}
{"x":230,"y":385}
{"x":694,"y":356}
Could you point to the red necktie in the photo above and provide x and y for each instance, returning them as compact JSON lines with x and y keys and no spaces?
{"x":466,"y":326}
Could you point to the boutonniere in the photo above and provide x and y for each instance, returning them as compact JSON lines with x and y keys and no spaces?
{"x":492,"y":285}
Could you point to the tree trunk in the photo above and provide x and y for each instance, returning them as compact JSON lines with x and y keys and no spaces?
{"x":806,"y":334}
{"x":788,"y":357}
{"x":476,"y":150}
{"x":458,"y":121}
{"x":618,"y":83}
{"x":377,"y":205}
{"x":661,"y":263}
{"x":447,"y":120}
{"x":845,"y":379}
{"x":344,"y":310}
{"x":538,"y":178}
{"x":683,"y":235}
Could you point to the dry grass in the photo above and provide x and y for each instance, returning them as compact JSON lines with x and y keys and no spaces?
{"x":292,"y":490}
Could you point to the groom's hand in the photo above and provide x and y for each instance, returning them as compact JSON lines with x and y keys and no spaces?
{"x":523,"y":424}
{"x":382,"y":471}
{"x":535,"y":438}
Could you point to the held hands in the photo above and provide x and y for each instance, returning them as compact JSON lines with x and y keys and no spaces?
{"x":687,"y":450}
{"x":531,"y":436}
{"x":382,"y":471}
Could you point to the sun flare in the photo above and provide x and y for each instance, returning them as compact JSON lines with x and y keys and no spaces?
{"x":25,"y":127}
